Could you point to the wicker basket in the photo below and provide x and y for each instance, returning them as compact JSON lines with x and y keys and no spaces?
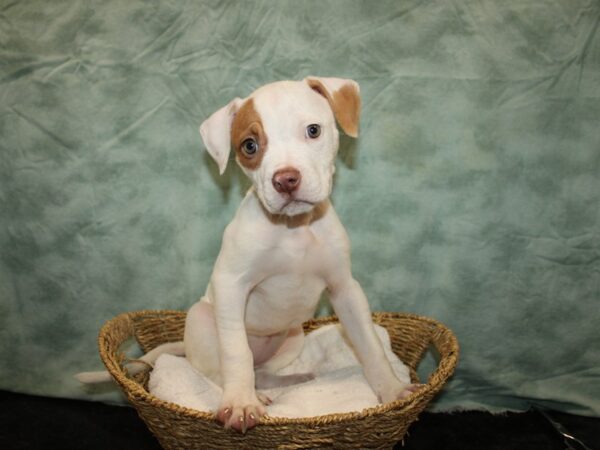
{"x":177,"y":427}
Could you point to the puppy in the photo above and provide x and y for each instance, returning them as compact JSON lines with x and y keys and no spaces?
{"x":283,"y":248}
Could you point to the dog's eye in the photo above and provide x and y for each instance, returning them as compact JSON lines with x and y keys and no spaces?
{"x":250,"y":146}
{"x":313,"y":131}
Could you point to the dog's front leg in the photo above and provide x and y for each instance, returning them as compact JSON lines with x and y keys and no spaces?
{"x":240,"y":408}
{"x":352,"y":308}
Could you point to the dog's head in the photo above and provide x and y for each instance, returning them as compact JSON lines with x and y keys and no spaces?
{"x":285,"y":138}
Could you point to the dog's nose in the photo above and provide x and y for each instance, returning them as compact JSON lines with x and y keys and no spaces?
{"x":286,"y":180}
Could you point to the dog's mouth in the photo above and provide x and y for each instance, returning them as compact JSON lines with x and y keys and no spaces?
{"x":293,"y":206}
{"x":293,"y":200}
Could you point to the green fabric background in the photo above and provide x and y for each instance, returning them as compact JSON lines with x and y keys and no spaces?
{"x":472,"y":195}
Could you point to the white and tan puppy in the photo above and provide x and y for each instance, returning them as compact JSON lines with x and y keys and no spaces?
{"x":283,"y":248}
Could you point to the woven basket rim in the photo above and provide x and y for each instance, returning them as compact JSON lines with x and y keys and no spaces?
{"x":135,"y":389}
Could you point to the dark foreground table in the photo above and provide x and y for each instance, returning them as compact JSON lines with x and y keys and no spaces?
{"x":29,"y":422}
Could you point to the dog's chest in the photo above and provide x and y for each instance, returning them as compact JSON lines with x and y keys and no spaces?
{"x":288,"y":293}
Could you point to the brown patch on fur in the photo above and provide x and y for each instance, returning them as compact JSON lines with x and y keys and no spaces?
{"x":344,"y":102}
{"x":246,"y":124}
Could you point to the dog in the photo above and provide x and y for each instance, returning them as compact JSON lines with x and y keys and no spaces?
{"x":283,"y":248}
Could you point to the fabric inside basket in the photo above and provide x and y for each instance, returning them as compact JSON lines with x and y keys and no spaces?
{"x":339,"y":385}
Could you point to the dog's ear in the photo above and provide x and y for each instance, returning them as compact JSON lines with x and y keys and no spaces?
{"x":216,"y":133}
{"x":344,"y":99}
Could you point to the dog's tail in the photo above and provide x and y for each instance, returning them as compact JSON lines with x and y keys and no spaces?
{"x":133,"y":367}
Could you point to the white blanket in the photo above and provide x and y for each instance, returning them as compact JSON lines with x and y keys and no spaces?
{"x":339,"y":384}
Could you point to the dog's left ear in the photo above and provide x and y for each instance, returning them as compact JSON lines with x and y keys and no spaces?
{"x":216,"y":133}
{"x":343,"y":96}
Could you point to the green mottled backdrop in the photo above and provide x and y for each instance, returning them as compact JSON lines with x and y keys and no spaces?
{"x":472,"y":194}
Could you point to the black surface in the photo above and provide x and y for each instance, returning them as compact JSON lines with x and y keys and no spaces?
{"x":29,"y":422}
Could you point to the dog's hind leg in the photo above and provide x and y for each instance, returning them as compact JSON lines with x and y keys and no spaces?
{"x":287,"y":352}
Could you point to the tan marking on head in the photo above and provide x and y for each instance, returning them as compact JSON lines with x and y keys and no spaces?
{"x":345,"y":104}
{"x":247,"y":123}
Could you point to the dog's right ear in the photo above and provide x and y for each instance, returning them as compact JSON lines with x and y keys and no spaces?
{"x":216,"y":133}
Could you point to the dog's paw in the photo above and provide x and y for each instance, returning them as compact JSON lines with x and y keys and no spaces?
{"x":241,"y":416}
{"x":399,"y":392}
